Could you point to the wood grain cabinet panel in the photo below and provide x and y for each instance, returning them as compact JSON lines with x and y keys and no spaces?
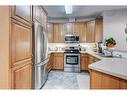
{"x":95,"y":80}
{"x":109,"y":82}
{"x":21,"y":77}
{"x":90,"y":35}
{"x":84,"y":62}
{"x":50,"y":32}
{"x":123,"y":84}
{"x":99,"y":80}
{"x":58,"y":33}
{"x":22,"y":13}
{"x":58,"y":61}
{"x":21,"y":42}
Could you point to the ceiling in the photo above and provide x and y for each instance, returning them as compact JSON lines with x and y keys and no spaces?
{"x":79,"y":11}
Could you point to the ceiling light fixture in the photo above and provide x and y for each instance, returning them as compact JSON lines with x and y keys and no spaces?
{"x":68,"y":9}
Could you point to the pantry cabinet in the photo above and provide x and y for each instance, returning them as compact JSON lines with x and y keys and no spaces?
{"x":21,"y":77}
{"x":99,"y":80}
{"x":21,"y":43}
{"x":16,"y":42}
{"x":58,"y":61}
{"x":22,"y":13}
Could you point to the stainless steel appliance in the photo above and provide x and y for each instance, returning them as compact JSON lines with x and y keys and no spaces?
{"x":72,"y":59}
{"x":40,"y":54}
{"x":71,"y":39}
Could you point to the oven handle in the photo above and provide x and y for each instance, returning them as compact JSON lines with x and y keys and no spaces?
{"x":72,"y":54}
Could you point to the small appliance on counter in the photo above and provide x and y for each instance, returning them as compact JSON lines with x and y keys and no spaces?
{"x":100,"y":45}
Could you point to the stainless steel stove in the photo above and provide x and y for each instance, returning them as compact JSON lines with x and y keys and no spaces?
{"x":72,"y":59}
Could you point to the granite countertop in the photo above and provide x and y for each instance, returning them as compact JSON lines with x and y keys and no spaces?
{"x":113,"y":66}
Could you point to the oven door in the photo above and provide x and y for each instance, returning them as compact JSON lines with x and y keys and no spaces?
{"x":71,"y":60}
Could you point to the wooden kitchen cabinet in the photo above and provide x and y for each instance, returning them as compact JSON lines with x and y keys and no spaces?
{"x":21,"y":77}
{"x":99,"y":30}
{"x":84,"y":62}
{"x":50,"y":32}
{"x":16,"y":46}
{"x":22,"y":13}
{"x":40,"y":15}
{"x":90,"y":34}
{"x":50,"y":62}
{"x":99,"y":80}
{"x":58,"y":61}
{"x":21,"y":43}
{"x":58,"y":33}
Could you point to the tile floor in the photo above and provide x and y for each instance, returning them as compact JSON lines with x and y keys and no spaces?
{"x":67,"y":80}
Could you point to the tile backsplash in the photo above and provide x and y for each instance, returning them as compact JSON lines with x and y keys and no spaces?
{"x":61,"y":46}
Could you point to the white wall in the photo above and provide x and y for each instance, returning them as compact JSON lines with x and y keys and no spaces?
{"x":114,"y":26}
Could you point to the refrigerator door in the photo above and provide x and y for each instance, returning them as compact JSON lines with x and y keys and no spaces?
{"x":45,"y":45}
{"x":38,"y":45}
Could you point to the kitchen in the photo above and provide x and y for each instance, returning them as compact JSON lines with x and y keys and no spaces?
{"x":42,"y":48}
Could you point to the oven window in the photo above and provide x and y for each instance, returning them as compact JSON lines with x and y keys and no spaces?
{"x":72,"y":59}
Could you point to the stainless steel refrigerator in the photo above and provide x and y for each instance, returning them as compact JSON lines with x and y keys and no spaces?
{"x":40,"y":55}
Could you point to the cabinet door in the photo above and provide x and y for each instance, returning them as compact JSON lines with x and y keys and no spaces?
{"x":22,"y":13}
{"x":58,"y":61}
{"x":82,"y":32}
{"x":49,"y":63}
{"x":21,"y":77}
{"x":95,"y":79}
{"x":50,"y":32}
{"x":55,"y":33}
{"x":98,"y":30}
{"x":21,"y":43}
{"x":123,"y":84}
{"x":58,"y":33}
{"x":84,"y":62}
{"x":69,"y":28}
{"x":90,"y":35}
{"x":109,"y":82}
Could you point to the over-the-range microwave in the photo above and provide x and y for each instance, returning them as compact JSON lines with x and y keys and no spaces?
{"x":71,"y":39}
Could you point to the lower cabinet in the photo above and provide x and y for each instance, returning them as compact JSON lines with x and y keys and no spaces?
{"x":49,"y":62}
{"x":21,"y":77}
{"x":100,"y":80}
{"x":83,"y":62}
{"x":58,"y":61}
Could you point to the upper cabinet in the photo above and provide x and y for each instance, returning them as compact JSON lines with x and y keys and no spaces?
{"x":40,"y":15}
{"x":98,"y":30}
{"x":50,"y":32}
{"x":58,"y":33}
{"x":90,"y":34}
{"x":94,"y":31}
{"x":22,"y":13}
